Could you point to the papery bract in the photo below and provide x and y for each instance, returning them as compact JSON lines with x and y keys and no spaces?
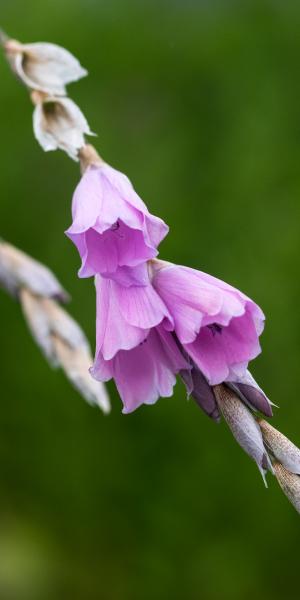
{"x":44,"y":67}
{"x":59,"y":123}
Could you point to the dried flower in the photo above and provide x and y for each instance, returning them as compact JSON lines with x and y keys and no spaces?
{"x":244,"y":427}
{"x":112,"y":228}
{"x":60,"y":338}
{"x":18,"y":270}
{"x":63,"y":343}
{"x":59,"y":123}
{"x":44,"y":67}
{"x":281,"y":447}
{"x":289,"y":483}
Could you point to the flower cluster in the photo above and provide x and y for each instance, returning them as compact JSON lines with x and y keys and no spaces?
{"x":156,"y":321}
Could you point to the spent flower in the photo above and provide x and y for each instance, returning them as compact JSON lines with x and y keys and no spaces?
{"x":44,"y":67}
{"x":59,"y":123}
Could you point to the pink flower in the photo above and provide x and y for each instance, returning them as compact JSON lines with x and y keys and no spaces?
{"x":181,"y":322}
{"x":112,"y":228}
{"x":217,"y":325}
{"x":134,"y":345}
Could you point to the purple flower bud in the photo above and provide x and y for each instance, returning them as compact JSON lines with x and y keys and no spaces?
{"x":201,"y":391}
{"x":290,"y":484}
{"x":282,"y":448}
{"x":248,"y":390}
{"x":243,"y":426}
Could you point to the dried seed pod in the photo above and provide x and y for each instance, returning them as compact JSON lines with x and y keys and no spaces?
{"x":289,"y":483}
{"x":283,"y":449}
{"x":243,"y":426}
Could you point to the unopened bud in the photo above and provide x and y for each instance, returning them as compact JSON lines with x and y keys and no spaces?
{"x":249,"y":391}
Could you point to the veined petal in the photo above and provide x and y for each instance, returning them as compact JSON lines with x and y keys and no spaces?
{"x":142,"y":307}
{"x":113,"y":332}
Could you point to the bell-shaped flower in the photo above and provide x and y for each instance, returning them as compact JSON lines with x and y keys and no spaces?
{"x":217,"y":325}
{"x":134,"y":345}
{"x":59,"y":123}
{"x":112,"y":228}
{"x":44,"y":67}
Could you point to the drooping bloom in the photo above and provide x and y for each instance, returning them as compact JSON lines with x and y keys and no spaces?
{"x":183,"y":309}
{"x":134,"y":345}
{"x":59,"y":123}
{"x":112,"y":228}
{"x":217,"y":325}
{"x":44,"y":67}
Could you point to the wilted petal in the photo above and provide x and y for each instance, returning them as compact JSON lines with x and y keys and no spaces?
{"x":59,"y":123}
{"x":289,"y":483}
{"x":282,"y":448}
{"x":248,"y":390}
{"x":44,"y":67}
{"x":17,"y":270}
{"x":76,"y":363}
{"x":243,"y":426}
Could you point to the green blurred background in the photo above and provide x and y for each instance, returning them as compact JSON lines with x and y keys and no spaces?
{"x":199,"y":103}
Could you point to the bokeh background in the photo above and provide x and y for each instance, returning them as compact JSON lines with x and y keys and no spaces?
{"x":199,"y":103}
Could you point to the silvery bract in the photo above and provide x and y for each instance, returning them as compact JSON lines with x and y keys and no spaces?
{"x":44,"y":67}
{"x":243,"y":426}
{"x":59,"y":123}
{"x":289,"y":483}
{"x":282,"y":448}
